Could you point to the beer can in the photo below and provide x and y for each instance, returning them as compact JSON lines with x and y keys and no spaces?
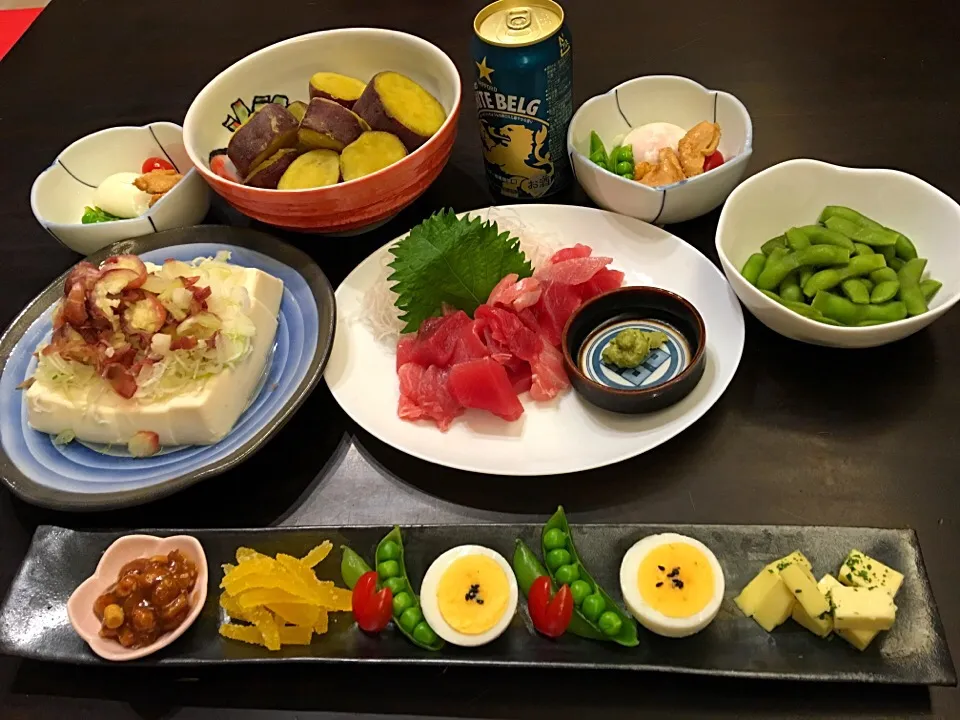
{"x":523,"y":55}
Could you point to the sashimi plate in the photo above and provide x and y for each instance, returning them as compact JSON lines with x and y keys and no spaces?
{"x":566,"y":434}
{"x":79,"y":476}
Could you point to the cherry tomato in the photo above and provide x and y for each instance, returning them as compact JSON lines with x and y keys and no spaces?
{"x":550,"y":616}
{"x":371,"y":609}
{"x":713,"y":161}
{"x":155,"y":163}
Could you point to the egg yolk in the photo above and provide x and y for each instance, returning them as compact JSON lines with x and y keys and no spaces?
{"x":473,"y":594}
{"x":676,"y":579}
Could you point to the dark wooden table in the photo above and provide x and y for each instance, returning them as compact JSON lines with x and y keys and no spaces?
{"x":803,"y":435}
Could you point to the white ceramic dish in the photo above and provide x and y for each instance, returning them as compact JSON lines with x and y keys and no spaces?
{"x":567,"y":434}
{"x":660,"y":98}
{"x":794,"y":192}
{"x":60,"y":192}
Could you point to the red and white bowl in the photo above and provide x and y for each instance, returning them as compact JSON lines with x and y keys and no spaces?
{"x":283,"y":70}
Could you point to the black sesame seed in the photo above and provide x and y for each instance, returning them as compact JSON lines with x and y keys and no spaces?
{"x":659,"y":584}
{"x":661,"y":568}
{"x":674,"y":572}
{"x":479,"y":601}
{"x":798,"y":591}
{"x":678,"y":583}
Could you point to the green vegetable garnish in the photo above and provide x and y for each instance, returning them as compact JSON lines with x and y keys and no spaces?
{"x":630,"y":347}
{"x":446,"y":260}
{"x":96,"y":215}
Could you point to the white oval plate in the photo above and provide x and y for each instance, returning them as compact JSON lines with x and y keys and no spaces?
{"x":567,"y":434}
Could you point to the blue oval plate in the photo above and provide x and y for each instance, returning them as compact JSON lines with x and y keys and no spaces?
{"x":80,"y":477}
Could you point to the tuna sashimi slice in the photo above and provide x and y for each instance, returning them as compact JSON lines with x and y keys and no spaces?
{"x":556,"y":305}
{"x":605,"y":279}
{"x":515,"y":294}
{"x":507,"y":332}
{"x":435,"y":342}
{"x":425,"y":394}
{"x":569,"y":253}
{"x":483,"y":384}
{"x":573,"y":271}
{"x":549,"y":376}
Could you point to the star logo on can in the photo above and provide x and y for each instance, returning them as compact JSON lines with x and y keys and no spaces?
{"x":485,"y":72}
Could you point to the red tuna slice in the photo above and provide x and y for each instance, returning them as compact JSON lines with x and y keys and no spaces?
{"x":483,"y":384}
{"x":573,"y":271}
{"x":521,"y":377}
{"x":605,"y":279}
{"x":469,"y":345}
{"x":515,"y":294}
{"x":435,"y":342}
{"x":509,"y":333}
{"x":549,"y":377}
{"x":556,"y":305}
{"x":577,"y":251}
{"x":425,"y":394}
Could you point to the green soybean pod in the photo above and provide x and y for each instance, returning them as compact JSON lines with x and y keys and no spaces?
{"x":906,"y":250}
{"x":861,"y":249}
{"x":896,"y":263}
{"x":858,"y":233}
{"x":797,"y":239}
{"x":867,"y":283}
{"x":780,"y":241}
{"x":808,"y":312}
{"x":849,"y":214}
{"x":889,"y":252}
{"x":886,"y":285}
{"x":805,"y":274}
{"x":790,"y":288}
{"x":843,"y":311}
{"x":869,"y":323}
{"x":929,"y":288}
{"x":910,"y":293}
{"x":831,"y":277}
{"x":777,"y":269}
{"x":855,"y":291}
{"x":819,"y":235}
{"x":753,"y":267}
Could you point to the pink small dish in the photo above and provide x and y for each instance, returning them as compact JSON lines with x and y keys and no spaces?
{"x":122,"y":551}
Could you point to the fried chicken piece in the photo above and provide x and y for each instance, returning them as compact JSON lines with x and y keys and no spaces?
{"x":641,"y":169}
{"x":157,"y":182}
{"x":701,"y":140}
{"x":667,"y":170}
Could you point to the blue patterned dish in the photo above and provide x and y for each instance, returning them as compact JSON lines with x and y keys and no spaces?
{"x":86,"y":477}
{"x":669,"y":372}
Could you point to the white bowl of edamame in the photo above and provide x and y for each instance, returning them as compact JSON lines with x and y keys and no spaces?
{"x":841,"y":257}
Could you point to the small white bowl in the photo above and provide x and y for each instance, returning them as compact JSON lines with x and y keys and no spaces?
{"x":61,"y":191}
{"x":794,"y":192}
{"x":660,"y":98}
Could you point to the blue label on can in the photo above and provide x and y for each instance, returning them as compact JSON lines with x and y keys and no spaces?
{"x":524,"y":104}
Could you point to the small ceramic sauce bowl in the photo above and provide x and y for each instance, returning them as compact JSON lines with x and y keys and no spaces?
{"x":666,"y":376}
{"x":122,"y":551}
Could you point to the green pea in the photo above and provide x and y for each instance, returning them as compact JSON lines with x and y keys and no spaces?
{"x":601,"y":163}
{"x":397,"y":585}
{"x":610,"y":623}
{"x":780,"y":241}
{"x":628,"y":175}
{"x":401,"y":602}
{"x":388,"y":569}
{"x":558,"y":557}
{"x":579,"y":590}
{"x":388,"y":551}
{"x":567,"y":574}
{"x":424,"y":634}
{"x":592,"y":606}
{"x":624,"y":167}
{"x":626,"y":154}
{"x":410,"y":618}
{"x":555,"y":538}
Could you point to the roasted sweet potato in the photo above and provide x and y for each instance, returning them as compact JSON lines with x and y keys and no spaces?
{"x":329,"y":125}
{"x":341,"y":89}
{"x":268,"y":173}
{"x":372,"y":151}
{"x":271,"y":128}
{"x":298,"y":108}
{"x":396,"y":104}
{"x":317,"y":168}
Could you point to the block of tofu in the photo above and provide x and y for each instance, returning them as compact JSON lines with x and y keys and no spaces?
{"x":860,"y":639}
{"x":860,"y":570}
{"x":859,"y":608}
{"x":805,"y":590}
{"x":202,"y":415}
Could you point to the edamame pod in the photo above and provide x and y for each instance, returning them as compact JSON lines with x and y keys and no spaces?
{"x":889,"y":252}
{"x":805,"y":274}
{"x":906,"y":250}
{"x":797,"y":239}
{"x":929,"y":288}
{"x":861,"y":249}
{"x":909,"y":276}
{"x":874,"y":237}
{"x":790,"y":288}
{"x":855,"y":291}
{"x":556,"y":535}
{"x":801,"y":308}
{"x":867,"y":283}
{"x":886,"y":285}
{"x":831,"y":277}
{"x":849,"y":214}
{"x":777,"y":269}
{"x":780,"y":241}
{"x":896,"y":263}
{"x":843,"y":311}
{"x":753,"y":267}
{"x":825,"y":236}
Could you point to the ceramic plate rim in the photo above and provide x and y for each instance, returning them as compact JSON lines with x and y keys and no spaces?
{"x":29,"y":490}
{"x":687,"y":420}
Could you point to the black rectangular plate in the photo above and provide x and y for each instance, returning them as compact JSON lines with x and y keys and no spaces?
{"x":34,"y":624}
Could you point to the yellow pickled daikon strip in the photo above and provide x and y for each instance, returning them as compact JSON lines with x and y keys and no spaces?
{"x":274,"y":580}
{"x":322,"y":624}
{"x":245,"y":554}
{"x":295,"y":614}
{"x":268,"y":596}
{"x":293,"y":635}
{"x":243,"y":633}
{"x":317,"y":555}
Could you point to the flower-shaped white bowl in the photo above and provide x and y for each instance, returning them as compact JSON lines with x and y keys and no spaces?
{"x":660,"y":98}
{"x":794,"y":192}
{"x":61,"y":191}
{"x":122,"y":551}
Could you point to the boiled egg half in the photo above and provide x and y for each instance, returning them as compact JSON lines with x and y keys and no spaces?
{"x":469,"y":595}
{"x":647,"y":140}
{"x":119,"y":196}
{"x":672,"y":584}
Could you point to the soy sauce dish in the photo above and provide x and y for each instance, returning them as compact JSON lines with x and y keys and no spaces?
{"x":668,"y":373}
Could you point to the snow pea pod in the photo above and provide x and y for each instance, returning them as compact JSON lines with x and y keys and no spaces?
{"x":874,"y":237}
{"x":598,"y":154}
{"x":819,"y":235}
{"x":776,"y":270}
{"x":911,"y":295}
{"x":855,"y":291}
{"x":528,"y":568}
{"x":886,"y":285}
{"x":843,"y":311}
{"x":780,"y":241}
{"x":753,"y":267}
{"x":929,"y":288}
{"x":831,"y":277}
{"x":598,"y":608}
{"x":790,"y":288}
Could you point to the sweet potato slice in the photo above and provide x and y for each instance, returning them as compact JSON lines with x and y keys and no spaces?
{"x":328,"y":125}
{"x":268,"y":173}
{"x":317,"y":168}
{"x":396,"y":104}
{"x":298,"y":108}
{"x":342,"y":89}
{"x":271,"y":128}
{"x":372,"y":151}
